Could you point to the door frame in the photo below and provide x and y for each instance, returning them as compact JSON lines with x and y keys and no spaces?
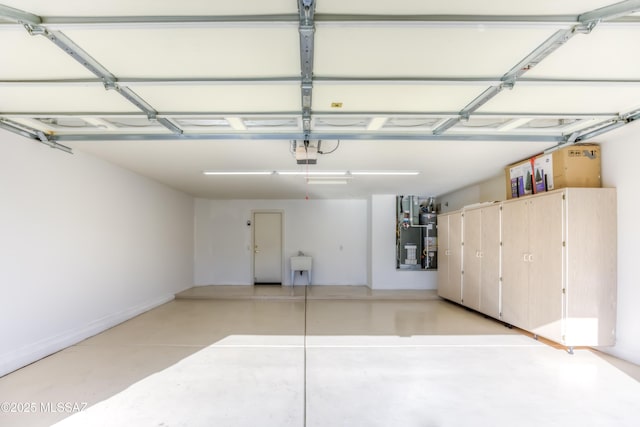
{"x":253,"y":242}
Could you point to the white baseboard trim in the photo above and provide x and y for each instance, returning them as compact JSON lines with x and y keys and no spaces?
{"x":26,"y":355}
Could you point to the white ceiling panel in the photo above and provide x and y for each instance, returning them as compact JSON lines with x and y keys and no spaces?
{"x":565,"y":99}
{"x":486,"y":7}
{"x":396,"y":98}
{"x":221,"y":98}
{"x":152,"y":7}
{"x":233,"y":51}
{"x":31,"y":57}
{"x":62,"y":99}
{"x":180,"y":165}
{"x":608,"y":52}
{"x":413,"y":50}
{"x":406,"y":85}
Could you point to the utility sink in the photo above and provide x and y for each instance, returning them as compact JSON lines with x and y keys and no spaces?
{"x":301,"y":264}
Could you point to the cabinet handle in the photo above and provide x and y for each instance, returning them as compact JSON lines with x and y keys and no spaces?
{"x":481,"y":254}
{"x":530,"y":257}
{"x":524,"y":257}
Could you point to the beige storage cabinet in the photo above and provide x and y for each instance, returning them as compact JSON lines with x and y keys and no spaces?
{"x":481,"y":260}
{"x":450,"y":256}
{"x":559,"y":265}
{"x":554,"y":273}
{"x":532,"y":251}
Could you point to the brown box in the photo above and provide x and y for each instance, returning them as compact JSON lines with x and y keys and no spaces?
{"x":576,"y":165}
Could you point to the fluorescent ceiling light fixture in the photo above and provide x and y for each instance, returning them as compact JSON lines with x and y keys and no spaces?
{"x":515,"y":123}
{"x":377,"y":123}
{"x":313,"y":173}
{"x":387,"y":173}
{"x":316,"y":174}
{"x":316,"y":181}
{"x":236,"y":123}
{"x":238,"y":172}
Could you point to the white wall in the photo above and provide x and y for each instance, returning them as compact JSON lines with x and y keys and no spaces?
{"x":384,"y":274}
{"x":620,"y":154}
{"x":84,"y":245}
{"x":333,"y":232}
{"x":493,"y":189}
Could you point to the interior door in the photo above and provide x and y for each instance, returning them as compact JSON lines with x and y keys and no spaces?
{"x":267,"y":247}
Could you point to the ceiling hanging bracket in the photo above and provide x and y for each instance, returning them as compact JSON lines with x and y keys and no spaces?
{"x":585,"y":28}
{"x":109,"y":84}
{"x":573,"y":137}
{"x":510,"y":83}
{"x":35,"y":30}
{"x":43,"y":137}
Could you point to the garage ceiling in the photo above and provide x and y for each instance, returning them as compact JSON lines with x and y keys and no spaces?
{"x":170,"y":89}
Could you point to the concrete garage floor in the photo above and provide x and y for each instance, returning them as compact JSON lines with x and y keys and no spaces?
{"x":319,"y":356}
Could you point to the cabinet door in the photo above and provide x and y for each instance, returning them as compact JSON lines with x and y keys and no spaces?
{"x":455,"y":261}
{"x":472,"y":258}
{"x":515,"y":264}
{"x":449,"y":238}
{"x":444,"y":256}
{"x":490,"y":256}
{"x":546,"y":265}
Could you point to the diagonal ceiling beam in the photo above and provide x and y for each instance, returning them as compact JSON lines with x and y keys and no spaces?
{"x":306,"y":9}
{"x":36,"y":135}
{"x":587,"y":22}
{"x":15,"y":128}
{"x":109,"y":80}
{"x":19,"y":16}
{"x":613,"y":11}
{"x":32,"y":24}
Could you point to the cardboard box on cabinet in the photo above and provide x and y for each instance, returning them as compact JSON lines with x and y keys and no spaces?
{"x":577,"y":165}
{"x":519,"y":179}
